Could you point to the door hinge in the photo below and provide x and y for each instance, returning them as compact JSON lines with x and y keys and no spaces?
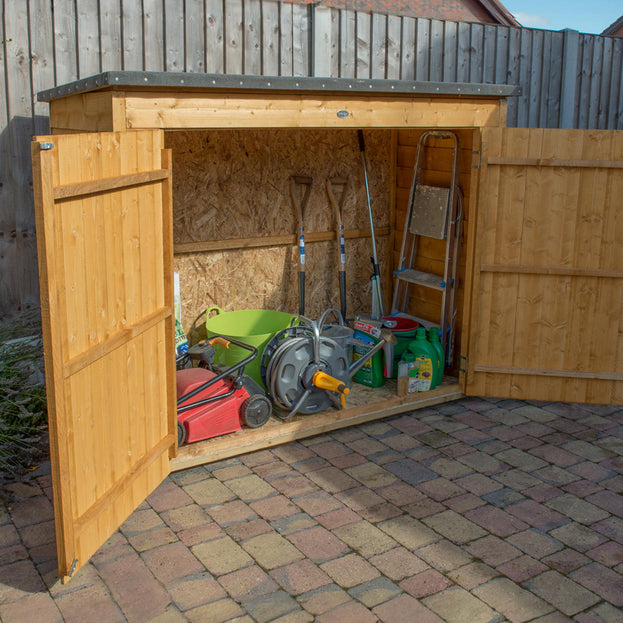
{"x":464,"y":364}
{"x":74,"y":564}
{"x":46,"y":146}
{"x":475,"y":160}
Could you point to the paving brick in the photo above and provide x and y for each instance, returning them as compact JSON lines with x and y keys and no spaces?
{"x":371,"y":475}
{"x":602,"y":613}
{"x":18,"y":580}
{"x":483,"y":463}
{"x":444,"y":555}
{"x":337,"y":518}
{"x":32,"y":510}
{"x":318,"y":544}
{"x":454,"y":527}
{"x":471,"y":575}
{"x":496,"y":521}
{"x":350,"y":570}
{"x":12,"y":553}
{"x":222,"y":555}
{"x":259,"y":457}
{"x":317,"y":503}
{"x":522,"y":568}
{"x":292,"y":452}
{"x":292,"y":484}
{"x":350,"y":612}
{"x":577,"y":509}
{"x":543,"y":492}
{"x":449,"y":468}
{"x":609,"y":554}
{"x":609,"y":501}
{"x":440,"y":489}
{"x":348,"y":460}
{"x":457,"y":449}
{"x":185,"y":517}
{"x":504,"y":497}
{"x":410,"y":471}
{"x":274,"y":507}
{"x":564,"y":594}
{"x":614,"y":484}
{"x":456,"y":605}
{"x":172,"y":562}
{"x":471,"y":436}
{"x":528,"y":442}
{"x":607,"y":583}
{"x":270,"y":471}
{"x":578,"y":536}
{"x":231,"y":471}
{"x":555,"y":455}
{"x":611,"y":527}
{"x":141,"y":521}
{"x":399,"y":493}
{"x":300,"y":577}
{"x":478,"y":484}
{"x":323,"y":599}
{"x":556,"y":475}
{"x":366,"y":446}
{"x":94,"y":599}
{"x":405,"y":608}
{"x":517,"y":479}
{"x":209,"y":491}
{"x":493,"y":551}
{"x":582,"y":488}
{"x":375,"y":591}
{"x":144,"y":541}
{"x":248,"y":583}
{"x":167,"y":496}
{"x":407,"y":531}
{"x":591,"y":471}
{"x":31,"y":536}
{"x":535,"y":543}
{"x":135,"y":589}
{"x":231,"y":512}
{"x":250,"y":488}
{"x":464,"y":503}
{"x":423,"y":507}
{"x":398,"y":563}
{"x":195,"y":591}
{"x":380,"y":512}
{"x":587,"y":450}
{"x":537,"y":515}
{"x":566,"y":560}
{"x":215,"y":612}
{"x":425,"y":583}
{"x":506,"y":417}
{"x":298,"y":616}
{"x":515,"y":603}
{"x":39,"y":607}
{"x":271,"y":550}
{"x":200,"y":534}
{"x":332,"y":479}
{"x":401,"y":442}
{"x":248,"y":529}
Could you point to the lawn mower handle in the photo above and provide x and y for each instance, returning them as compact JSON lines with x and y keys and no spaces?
{"x":238,"y":366}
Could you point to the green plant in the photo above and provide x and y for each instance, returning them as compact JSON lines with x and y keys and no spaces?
{"x":23,"y":413}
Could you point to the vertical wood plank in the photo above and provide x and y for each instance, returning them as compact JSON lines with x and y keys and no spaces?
{"x":436,"y":58}
{"x":88,"y":28}
{"x":153,"y":35}
{"x":409,"y":51}
{"x":512,"y":74}
{"x":450,"y":51}
{"x":463,"y":52}
{"x":364,"y":35}
{"x":424,"y":46}
{"x":348,"y":43}
{"x":65,"y":41}
{"x":215,"y":37}
{"x":555,"y":80}
{"x":594,"y":103}
{"x":322,"y":40}
{"x":604,"y":91}
{"x":489,"y":42}
{"x":287,"y":43}
{"x":271,"y":38}
{"x":252,"y":38}
{"x":132,"y":45}
{"x":41,"y":37}
{"x":476,"y":51}
{"x":534,"y":71}
{"x":174,"y":18}
{"x":378,"y":61}
{"x":301,"y":53}
{"x":525,"y":65}
{"x":394,"y":47}
{"x":110,"y":35}
{"x":234,"y":37}
{"x":586,"y":64}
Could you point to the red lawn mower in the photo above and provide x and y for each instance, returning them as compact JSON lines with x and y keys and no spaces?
{"x":212,"y":402}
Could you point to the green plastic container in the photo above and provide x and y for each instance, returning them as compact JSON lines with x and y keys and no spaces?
{"x":371,"y":373}
{"x":404,"y":333}
{"x":423,"y":349}
{"x":433,"y":338}
{"x":255,"y":327}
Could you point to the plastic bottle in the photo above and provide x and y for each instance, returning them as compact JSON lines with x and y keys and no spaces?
{"x":427,"y":360}
{"x":405,"y":366}
{"x":433,"y":338}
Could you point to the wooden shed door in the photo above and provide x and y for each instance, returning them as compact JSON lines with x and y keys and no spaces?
{"x":104,"y":222}
{"x":547,"y":289}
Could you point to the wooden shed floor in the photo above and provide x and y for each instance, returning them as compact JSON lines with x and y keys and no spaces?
{"x":363,"y":404}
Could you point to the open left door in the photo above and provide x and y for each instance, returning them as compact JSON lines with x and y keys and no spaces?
{"x":545,"y":318}
{"x":104,"y":235}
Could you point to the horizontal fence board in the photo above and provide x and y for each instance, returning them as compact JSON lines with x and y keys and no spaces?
{"x":52,"y":42}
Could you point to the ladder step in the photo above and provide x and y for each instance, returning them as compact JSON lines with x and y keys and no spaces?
{"x":428,"y":280}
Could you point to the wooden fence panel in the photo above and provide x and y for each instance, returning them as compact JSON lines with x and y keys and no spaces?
{"x":567,"y":79}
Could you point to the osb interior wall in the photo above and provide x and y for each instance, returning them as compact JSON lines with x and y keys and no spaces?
{"x":436,"y":171}
{"x":234,"y":184}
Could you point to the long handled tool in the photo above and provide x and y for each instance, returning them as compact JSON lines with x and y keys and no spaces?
{"x":377,"y":297}
{"x":340,"y":184}
{"x":300,"y":203}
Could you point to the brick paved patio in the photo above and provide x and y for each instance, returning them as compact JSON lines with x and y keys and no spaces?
{"x":473,"y":511}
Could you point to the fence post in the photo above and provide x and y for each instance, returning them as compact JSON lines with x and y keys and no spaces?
{"x":569,"y":80}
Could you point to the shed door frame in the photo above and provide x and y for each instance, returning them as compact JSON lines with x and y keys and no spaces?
{"x":104,"y":234}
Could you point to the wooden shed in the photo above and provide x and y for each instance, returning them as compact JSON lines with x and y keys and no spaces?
{"x":147,"y":174}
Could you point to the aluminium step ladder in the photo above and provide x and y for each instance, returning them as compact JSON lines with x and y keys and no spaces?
{"x":433,"y":212}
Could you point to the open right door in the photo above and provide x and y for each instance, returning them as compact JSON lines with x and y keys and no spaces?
{"x":545,"y":317}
